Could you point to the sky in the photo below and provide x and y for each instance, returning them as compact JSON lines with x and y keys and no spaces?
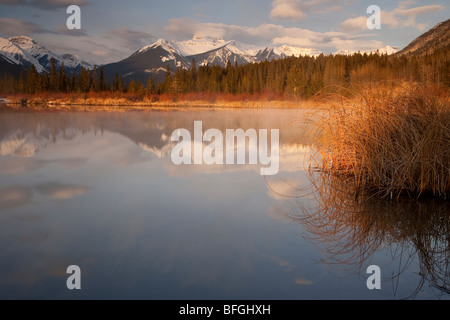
{"x":113,"y":30}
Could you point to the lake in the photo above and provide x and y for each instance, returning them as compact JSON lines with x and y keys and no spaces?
{"x":100,"y":191}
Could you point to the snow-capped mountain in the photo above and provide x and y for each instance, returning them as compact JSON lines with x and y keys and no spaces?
{"x":24,"y":51}
{"x":204,"y":51}
{"x":153,"y":60}
{"x":14,"y":54}
{"x":273,"y":53}
{"x":269,"y":54}
{"x":388,"y":50}
{"x":289,"y":51}
{"x":199,"y":45}
{"x":73,"y":62}
{"x":231,"y":52}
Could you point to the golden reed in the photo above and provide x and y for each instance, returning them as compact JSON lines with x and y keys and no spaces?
{"x":390,"y":142}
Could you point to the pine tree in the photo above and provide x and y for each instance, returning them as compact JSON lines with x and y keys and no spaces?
{"x":21,"y":83}
{"x":31,"y":80}
{"x":102,"y":80}
{"x":116,"y":83}
{"x":94,"y":82}
{"x":194,"y":75}
{"x":132,"y":87}
{"x":75,"y":84}
{"x":54,"y":83}
{"x":85,"y":80}
{"x":150,"y":86}
{"x":62,"y":79}
{"x":167,"y":84}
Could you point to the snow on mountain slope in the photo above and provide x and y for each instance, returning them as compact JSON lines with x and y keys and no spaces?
{"x":16,"y":55}
{"x":154,"y":59}
{"x":199,"y":45}
{"x":73,"y":62}
{"x":164,"y":44}
{"x":222,"y":56}
{"x":238,"y":49}
{"x":273,"y":53}
{"x":36,"y":50}
{"x":290,"y":51}
{"x":386,"y":50}
{"x":169,"y":52}
{"x":44,"y":55}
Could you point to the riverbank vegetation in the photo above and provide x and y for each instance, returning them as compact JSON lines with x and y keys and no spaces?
{"x":388,"y":143}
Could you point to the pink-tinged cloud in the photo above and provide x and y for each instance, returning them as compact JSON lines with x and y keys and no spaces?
{"x":400,"y":17}
{"x":298,"y":9}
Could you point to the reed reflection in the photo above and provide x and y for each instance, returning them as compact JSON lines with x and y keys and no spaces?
{"x":351,"y":227}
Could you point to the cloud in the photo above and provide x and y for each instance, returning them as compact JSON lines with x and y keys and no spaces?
{"x":404,"y":17}
{"x":130,"y":38}
{"x":354,"y":24}
{"x":59,"y":191}
{"x":287,"y":9}
{"x":12,"y":27}
{"x":297,"y":9}
{"x":271,"y":34}
{"x":400,"y":17}
{"x":44,"y":4}
{"x":63,"y":30}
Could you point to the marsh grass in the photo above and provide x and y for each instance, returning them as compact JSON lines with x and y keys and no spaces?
{"x":387,"y":142}
{"x":103,"y":100}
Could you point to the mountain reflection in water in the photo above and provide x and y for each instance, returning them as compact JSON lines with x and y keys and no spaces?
{"x":99,"y":190}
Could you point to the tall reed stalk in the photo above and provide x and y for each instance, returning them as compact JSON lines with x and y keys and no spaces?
{"x":388,"y":143}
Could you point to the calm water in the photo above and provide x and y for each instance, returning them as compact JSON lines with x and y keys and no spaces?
{"x":99,"y":190}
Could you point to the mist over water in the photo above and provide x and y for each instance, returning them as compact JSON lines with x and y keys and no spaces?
{"x":99,"y":190}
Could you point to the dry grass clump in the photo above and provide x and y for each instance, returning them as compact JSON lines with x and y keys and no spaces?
{"x":388,"y":143}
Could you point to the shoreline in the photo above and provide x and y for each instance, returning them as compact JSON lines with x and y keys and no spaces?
{"x":123,"y":104}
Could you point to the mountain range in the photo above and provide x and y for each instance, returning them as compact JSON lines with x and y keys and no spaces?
{"x":20,"y":53}
{"x":153,"y":60}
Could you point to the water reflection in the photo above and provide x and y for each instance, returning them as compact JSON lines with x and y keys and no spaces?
{"x":100,"y":190}
{"x":14,"y":196}
{"x":351,"y":229}
{"x":24,"y":135}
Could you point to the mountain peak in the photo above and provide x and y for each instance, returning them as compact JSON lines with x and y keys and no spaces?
{"x":21,"y":39}
{"x":17,"y":55}
{"x":388,"y":50}
{"x":298,"y":52}
{"x":167,"y":45}
{"x":161,"y":41}
{"x":23,"y":50}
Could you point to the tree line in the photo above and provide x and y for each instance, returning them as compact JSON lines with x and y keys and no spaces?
{"x":300,"y":77}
